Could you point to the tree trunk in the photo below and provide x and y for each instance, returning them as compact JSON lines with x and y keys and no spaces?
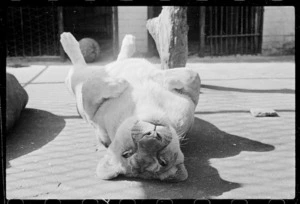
{"x":169,"y":31}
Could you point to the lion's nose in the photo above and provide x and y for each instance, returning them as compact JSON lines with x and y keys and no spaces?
{"x":151,"y":142}
{"x":153,"y":134}
{"x":149,"y":133}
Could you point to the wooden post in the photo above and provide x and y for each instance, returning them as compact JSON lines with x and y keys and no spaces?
{"x":169,"y":31}
{"x":202,"y":32}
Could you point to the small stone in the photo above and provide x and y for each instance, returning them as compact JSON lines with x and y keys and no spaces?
{"x":263,"y":112}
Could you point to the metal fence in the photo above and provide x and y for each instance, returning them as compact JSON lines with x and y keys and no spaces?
{"x":32,"y":31}
{"x":233,"y":30}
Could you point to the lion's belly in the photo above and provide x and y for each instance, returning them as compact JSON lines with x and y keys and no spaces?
{"x":144,"y":100}
{"x":144,"y":97}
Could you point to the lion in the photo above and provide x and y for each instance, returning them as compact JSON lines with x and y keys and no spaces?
{"x":140,"y":113}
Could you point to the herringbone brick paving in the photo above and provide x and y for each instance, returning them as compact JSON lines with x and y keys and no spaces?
{"x":51,"y":153}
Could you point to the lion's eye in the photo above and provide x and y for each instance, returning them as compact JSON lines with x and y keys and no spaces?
{"x":162,"y":162}
{"x":127,"y":153}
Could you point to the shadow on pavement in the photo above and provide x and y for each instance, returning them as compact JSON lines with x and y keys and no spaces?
{"x":34,"y":129}
{"x":204,"y":142}
{"x":222,"y":88}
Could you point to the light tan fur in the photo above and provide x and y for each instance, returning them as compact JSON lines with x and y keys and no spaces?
{"x":132,"y":94}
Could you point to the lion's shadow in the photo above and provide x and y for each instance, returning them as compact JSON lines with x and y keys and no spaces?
{"x":204,"y":142}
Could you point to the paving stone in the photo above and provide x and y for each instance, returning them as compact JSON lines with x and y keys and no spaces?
{"x":231,"y":155}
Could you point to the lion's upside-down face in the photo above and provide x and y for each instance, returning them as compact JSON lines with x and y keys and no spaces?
{"x":146,"y":149}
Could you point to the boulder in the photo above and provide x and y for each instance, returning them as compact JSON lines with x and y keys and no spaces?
{"x":16,"y":100}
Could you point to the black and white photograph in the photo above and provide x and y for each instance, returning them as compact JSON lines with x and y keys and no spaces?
{"x":150,"y":102}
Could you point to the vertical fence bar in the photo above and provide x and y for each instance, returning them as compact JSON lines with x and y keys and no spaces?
{"x":55,"y":45}
{"x":216,"y":30}
{"x":60,"y":29}
{"x":250,"y":30}
{"x":14,"y":30}
{"x":46,"y":35}
{"x":115,"y":31}
{"x":39,"y":34}
{"x":202,"y":31}
{"x":260,"y":28}
{"x":256,"y":29}
{"x":231,"y":32}
{"x":227,"y":28}
{"x":210,"y":30}
{"x":236,"y":29}
{"x":242,"y":31}
{"x":22,"y":31}
{"x":221,"y":31}
{"x":31,"y":30}
{"x":246,"y":29}
{"x":252,"y":24}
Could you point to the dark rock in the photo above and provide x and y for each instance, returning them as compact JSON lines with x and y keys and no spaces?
{"x":16,"y":100}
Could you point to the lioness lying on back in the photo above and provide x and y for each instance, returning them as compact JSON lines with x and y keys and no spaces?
{"x":139,"y":112}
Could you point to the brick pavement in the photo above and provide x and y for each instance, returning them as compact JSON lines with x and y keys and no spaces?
{"x":229,"y":154}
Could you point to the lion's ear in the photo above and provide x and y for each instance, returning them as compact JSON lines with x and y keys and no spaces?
{"x":108,"y":168}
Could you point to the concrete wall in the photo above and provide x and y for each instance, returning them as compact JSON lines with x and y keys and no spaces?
{"x":132,"y":20}
{"x":278,"y":30}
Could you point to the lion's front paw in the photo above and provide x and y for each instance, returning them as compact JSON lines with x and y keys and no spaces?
{"x":127,"y":48}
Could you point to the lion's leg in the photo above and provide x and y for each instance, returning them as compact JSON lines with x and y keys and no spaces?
{"x":181,"y":80}
{"x":127,"y":48}
{"x":102,"y":137}
{"x":71,"y":47}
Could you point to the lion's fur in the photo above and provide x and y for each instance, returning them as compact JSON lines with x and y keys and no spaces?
{"x":114,"y":98}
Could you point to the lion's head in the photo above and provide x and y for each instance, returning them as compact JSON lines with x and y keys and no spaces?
{"x":147,"y":148}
